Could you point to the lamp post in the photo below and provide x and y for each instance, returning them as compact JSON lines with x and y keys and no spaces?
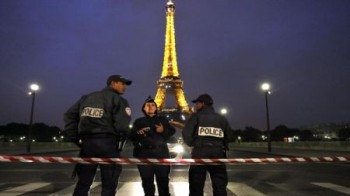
{"x":33,"y":89}
{"x":266,"y":87}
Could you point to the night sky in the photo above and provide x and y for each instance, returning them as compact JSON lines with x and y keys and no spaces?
{"x":226,"y":48}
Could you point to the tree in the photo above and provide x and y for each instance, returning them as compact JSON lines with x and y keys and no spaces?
{"x":251,"y":134}
{"x":44,"y":133}
{"x":282,"y":131}
{"x":344,"y":133}
{"x":18,"y":131}
{"x":306,"y":135}
{"x":15,"y":131}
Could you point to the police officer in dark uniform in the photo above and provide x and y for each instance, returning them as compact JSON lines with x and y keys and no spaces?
{"x":208,"y":133}
{"x":149,"y":134}
{"x":99,"y":123}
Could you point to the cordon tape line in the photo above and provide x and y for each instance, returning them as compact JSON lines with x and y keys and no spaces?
{"x":136,"y":161}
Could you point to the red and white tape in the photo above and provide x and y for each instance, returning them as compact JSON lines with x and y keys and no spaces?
{"x":133,"y":161}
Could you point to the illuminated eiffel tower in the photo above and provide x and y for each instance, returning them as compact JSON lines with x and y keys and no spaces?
{"x":170,"y":82}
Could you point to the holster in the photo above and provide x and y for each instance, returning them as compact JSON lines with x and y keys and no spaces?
{"x":121,"y":143}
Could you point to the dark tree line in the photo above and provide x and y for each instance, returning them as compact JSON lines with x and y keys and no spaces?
{"x":44,"y":133}
{"x":344,"y":134}
{"x":40,"y":132}
{"x":279,"y":133}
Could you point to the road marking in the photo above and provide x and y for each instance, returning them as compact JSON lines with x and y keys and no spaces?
{"x":334,"y":187}
{"x":19,"y":190}
{"x":241,"y":189}
{"x":281,"y":186}
{"x":176,"y":188}
{"x":130,"y":189}
{"x":179,"y":188}
{"x":69,"y":190}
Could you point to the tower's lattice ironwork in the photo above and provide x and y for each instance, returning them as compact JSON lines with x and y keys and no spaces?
{"x":170,"y":82}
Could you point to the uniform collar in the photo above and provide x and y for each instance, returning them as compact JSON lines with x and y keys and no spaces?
{"x":151,"y":116}
{"x":206,"y":108}
{"x":108,"y":88}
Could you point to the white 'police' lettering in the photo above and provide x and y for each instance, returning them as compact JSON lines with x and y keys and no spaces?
{"x":92,"y":112}
{"x":210,"y":131}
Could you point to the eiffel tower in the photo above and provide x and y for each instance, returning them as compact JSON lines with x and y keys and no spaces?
{"x":170,"y":82}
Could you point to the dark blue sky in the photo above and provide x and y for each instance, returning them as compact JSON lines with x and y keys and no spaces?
{"x":226,"y":48}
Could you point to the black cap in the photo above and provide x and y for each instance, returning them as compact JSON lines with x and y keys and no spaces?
{"x":148,"y":100}
{"x":205,"y":98}
{"x":117,"y":78}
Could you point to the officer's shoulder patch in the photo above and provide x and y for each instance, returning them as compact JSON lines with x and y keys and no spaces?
{"x":128,"y":111}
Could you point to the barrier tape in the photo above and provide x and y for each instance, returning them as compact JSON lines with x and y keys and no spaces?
{"x":135,"y":161}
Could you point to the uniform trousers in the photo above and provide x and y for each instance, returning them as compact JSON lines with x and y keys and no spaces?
{"x":161,"y":172}
{"x":218,"y":173}
{"x":98,"y":147}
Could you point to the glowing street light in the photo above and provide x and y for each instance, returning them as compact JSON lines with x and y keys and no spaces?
{"x":223,"y":111}
{"x":266,"y":88}
{"x":33,"y":89}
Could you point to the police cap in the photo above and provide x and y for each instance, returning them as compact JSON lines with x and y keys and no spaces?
{"x":148,"y":100}
{"x":118,"y":78}
{"x":205,"y":98}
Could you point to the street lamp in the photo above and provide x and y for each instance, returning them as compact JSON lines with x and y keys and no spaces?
{"x":266,"y":88}
{"x":33,"y":89}
{"x":223,"y":111}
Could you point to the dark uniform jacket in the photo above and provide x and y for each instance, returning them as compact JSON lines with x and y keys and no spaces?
{"x":152,"y":138}
{"x":101,"y":112}
{"x":207,"y":128}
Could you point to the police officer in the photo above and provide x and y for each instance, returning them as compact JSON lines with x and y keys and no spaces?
{"x":208,"y":133}
{"x":98,"y":123}
{"x":149,"y":134}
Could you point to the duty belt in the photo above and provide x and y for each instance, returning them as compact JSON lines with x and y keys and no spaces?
{"x":100,"y":135}
{"x":152,"y":146}
{"x":202,"y":143}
